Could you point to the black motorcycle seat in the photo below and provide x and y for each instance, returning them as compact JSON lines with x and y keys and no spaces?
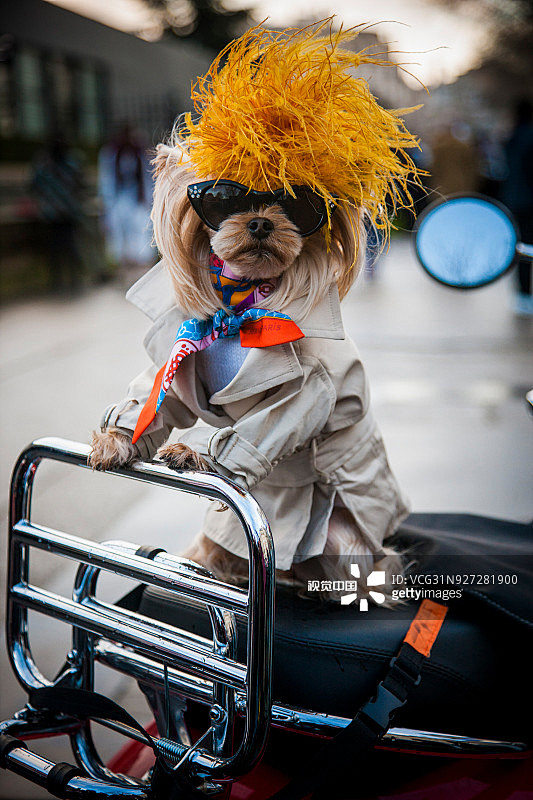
{"x":330,"y":658}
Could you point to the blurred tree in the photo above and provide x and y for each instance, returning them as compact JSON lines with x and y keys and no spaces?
{"x":207,"y":22}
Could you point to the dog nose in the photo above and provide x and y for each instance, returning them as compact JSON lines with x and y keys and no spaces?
{"x":260,"y":227}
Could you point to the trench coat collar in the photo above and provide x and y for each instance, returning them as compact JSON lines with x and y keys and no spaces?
{"x":263,"y":368}
{"x":153,"y":294}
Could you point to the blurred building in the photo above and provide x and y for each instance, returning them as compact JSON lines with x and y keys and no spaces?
{"x":63,"y":75}
{"x":63,"y":72}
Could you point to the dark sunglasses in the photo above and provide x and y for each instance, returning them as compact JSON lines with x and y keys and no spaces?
{"x":215,"y":201}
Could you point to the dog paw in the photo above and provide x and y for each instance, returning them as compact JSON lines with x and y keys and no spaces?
{"x":111,"y":449}
{"x":180,"y":456}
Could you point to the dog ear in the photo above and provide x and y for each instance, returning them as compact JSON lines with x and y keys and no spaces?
{"x":168,"y":157}
{"x":179,"y":232}
{"x":348,"y":245}
{"x":163,"y":155}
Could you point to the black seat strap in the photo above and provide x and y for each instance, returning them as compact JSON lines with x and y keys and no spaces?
{"x":84,"y":704}
{"x":375,"y":717}
{"x":132,"y":600}
{"x":166,"y":783}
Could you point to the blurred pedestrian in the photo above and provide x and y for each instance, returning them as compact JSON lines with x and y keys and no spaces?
{"x":58,"y":187}
{"x":125,"y":187}
{"x":454,"y":167}
{"x":492,"y":164}
{"x":517,"y":194}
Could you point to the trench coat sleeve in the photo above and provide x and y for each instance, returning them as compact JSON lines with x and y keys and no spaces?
{"x":279,"y":425}
{"x":172,"y":414}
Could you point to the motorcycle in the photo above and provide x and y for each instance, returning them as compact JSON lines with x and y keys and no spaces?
{"x":258,"y":693}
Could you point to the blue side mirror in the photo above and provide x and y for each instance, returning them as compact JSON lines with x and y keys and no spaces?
{"x":466,"y":241}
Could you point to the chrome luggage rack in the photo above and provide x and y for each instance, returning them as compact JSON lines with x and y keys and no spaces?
{"x":165,"y":660}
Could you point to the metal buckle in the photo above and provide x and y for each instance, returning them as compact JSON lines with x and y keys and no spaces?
{"x":381,"y":707}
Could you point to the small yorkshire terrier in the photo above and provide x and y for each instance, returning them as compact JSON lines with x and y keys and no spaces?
{"x":260,"y":210}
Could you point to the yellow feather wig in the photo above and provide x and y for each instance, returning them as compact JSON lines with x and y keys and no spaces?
{"x":277,"y":109}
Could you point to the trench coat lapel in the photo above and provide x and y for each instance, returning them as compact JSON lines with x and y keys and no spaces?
{"x":153,"y":293}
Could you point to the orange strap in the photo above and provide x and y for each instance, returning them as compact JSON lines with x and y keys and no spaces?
{"x":425,"y":627}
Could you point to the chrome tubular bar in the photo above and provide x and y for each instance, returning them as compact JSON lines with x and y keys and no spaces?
{"x":99,"y":625}
{"x":126,"y":563}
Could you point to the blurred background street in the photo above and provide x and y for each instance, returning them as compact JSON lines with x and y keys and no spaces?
{"x":448,"y":370}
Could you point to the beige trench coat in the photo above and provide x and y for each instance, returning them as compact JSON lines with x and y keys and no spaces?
{"x":294,"y":426}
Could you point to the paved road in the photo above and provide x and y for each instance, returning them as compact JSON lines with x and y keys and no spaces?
{"x":448,"y":372}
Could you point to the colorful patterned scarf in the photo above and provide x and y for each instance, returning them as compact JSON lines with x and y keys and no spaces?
{"x":258,"y":327}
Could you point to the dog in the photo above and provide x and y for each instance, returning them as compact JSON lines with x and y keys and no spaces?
{"x":260,"y":237}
